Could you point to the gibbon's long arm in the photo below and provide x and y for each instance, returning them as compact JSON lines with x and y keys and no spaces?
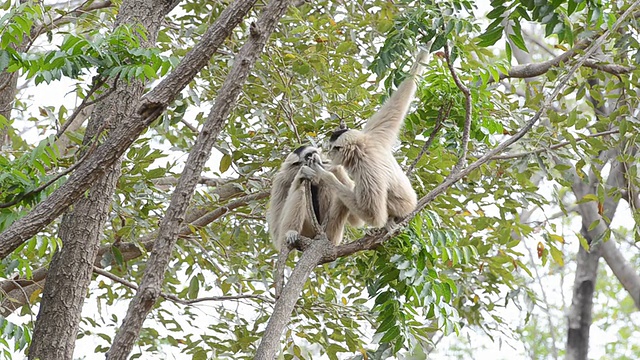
{"x":342,"y":176}
{"x":293,"y":213}
{"x":384,"y":126}
{"x":370,"y":208}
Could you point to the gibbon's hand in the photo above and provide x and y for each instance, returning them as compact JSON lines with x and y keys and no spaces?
{"x":307,"y":173}
{"x":314,"y":160}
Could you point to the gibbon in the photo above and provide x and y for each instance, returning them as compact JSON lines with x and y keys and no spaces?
{"x":382,"y":191}
{"x":287,"y":213}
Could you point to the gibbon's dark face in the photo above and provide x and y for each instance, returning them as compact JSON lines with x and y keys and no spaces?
{"x":301,"y":155}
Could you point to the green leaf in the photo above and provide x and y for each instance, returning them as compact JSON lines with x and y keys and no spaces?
{"x":438,"y":42}
{"x":194,"y":288}
{"x":490,"y":37}
{"x":556,"y":255}
{"x":225,"y":163}
{"x":390,"y":335}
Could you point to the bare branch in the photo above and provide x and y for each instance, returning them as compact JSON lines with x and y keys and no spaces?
{"x":553,"y":147}
{"x":173,"y":180}
{"x":467,"y":109}
{"x":86,"y":102}
{"x":613,"y":69}
{"x":443,"y":114}
{"x":176,"y":299}
{"x":537,"y":69}
{"x":284,"y":306}
{"x":189,"y":126}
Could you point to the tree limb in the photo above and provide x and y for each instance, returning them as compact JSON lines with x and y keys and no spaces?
{"x":467,"y":113}
{"x":553,"y":147}
{"x":309,"y":259}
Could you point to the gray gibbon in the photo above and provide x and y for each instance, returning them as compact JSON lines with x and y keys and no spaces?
{"x":287,"y":213}
{"x":382,"y":191}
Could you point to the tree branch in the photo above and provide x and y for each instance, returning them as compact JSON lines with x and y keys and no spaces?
{"x":310,"y":258}
{"x":443,"y":114}
{"x":553,"y":147}
{"x":176,"y":299}
{"x":467,"y":110}
{"x":537,"y":69}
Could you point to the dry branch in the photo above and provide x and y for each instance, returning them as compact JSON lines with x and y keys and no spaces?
{"x":553,"y":147}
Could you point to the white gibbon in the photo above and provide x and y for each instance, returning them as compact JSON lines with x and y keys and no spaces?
{"x":382,"y":191}
{"x":287,"y":213}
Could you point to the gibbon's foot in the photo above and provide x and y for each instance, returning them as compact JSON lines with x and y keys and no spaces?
{"x":290,"y":238}
{"x":374,"y":231}
{"x":391,"y":225}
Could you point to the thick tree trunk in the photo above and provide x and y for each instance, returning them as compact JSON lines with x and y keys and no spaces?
{"x":71,"y":268}
{"x":8,"y":85}
{"x":582,"y":304}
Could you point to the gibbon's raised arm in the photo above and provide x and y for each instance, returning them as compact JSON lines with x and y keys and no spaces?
{"x":384,"y":126}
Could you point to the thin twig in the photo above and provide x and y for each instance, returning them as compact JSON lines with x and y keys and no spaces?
{"x":52,"y":180}
{"x":63,"y":19}
{"x":553,"y":147}
{"x":176,"y":299}
{"x":467,"y":109}
{"x":443,"y":114}
{"x":85,"y":102}
{"x":189,"y":126}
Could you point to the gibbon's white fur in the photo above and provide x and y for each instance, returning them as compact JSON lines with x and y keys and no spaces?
{"x":382,"y":191}
{"x":287,"y":214}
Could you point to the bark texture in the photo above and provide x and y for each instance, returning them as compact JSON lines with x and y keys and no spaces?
{"x":151,"y":285}
{"x":290,"y":294}
{"x":71,"y":267}
{"x":582,"y":304}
